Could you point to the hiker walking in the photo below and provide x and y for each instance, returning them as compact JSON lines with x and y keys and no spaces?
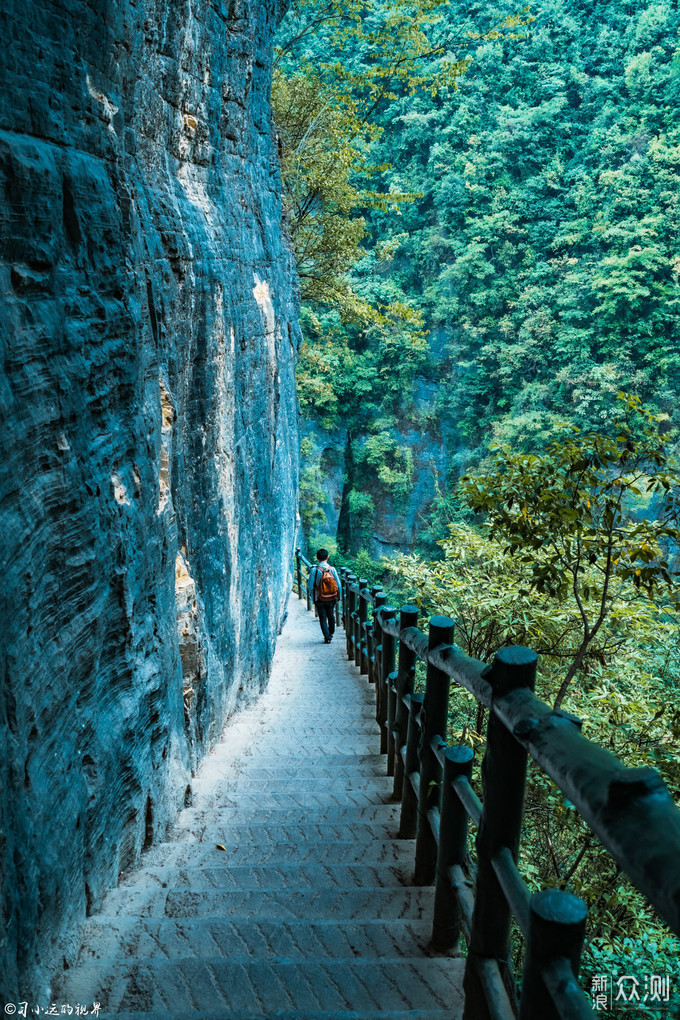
{"x":323,"y":585}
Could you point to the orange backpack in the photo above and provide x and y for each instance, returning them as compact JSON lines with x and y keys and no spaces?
{"x":327,"y":588}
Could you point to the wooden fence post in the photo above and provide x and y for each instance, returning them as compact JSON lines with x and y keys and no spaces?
{"x":363,"y":625}
{"x":345,"y":604}
{"x":359,"y":609}
{"x":343,"y":573}
{"x":375,"y":666}
{"x":408,"y":821}
{"x":434,"y":717}
{"x":503,"y":781}
{"x":405,"y":676}
{"x":370,"y":633}
{"x":337,"y":608}
{"x":298,"y":570}
{"x":453,"y":832}
{"x":557,"y":922}
{"x":386,"y":668}
{"x":349,"y":622}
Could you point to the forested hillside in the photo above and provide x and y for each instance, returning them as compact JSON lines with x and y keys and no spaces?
{"x":484,"y":206}
{"x":542,"y":253}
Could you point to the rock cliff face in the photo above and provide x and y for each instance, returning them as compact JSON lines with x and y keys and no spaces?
{"x":148,"y":470}
{"x":396,"y":520}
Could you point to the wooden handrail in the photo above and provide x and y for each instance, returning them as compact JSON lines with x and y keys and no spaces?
{"x":553,"y":739}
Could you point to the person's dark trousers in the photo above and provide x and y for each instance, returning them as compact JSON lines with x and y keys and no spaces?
{"x":326,"y":611}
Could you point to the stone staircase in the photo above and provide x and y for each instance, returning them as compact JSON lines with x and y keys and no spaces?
{"x":308,"y":910}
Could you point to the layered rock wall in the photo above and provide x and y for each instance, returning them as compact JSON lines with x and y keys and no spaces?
{"x":149,"y":431}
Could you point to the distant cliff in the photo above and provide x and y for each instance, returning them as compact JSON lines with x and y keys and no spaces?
{"x":148,"y":474}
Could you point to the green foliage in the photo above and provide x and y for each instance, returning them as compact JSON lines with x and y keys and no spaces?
{"x":311,"y":497}
{"x":323,"y":110}
{"x":640,"y":957}
{"x":324,"y":153}
{"x":322,"y":540}
{"x":542,"y":253}
{"x":363,"y":565}
{"x":626,"y":692}
{"x":340,"y":66}
{"x":360,"y":507}
{"x":330,"y":375}
{"x":544,"y":244}
{"x":445,"y":509}
{"x":318,"y":159}
{"x":360,"y":503}
{"x":542,"y":257}
{"x":566,"y":514}
{"x":373,"y":50}
{"x":565,"y":567}
{"x":392,"y":463}
{"x":352,"y":378}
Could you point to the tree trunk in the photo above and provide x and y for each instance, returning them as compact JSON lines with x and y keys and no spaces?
{"x":572,"y":671}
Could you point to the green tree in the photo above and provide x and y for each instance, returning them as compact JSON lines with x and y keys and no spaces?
{"x":544,"y":244}
{"x":542,"y":255}
{"x":521,"y":581}
{"x":569,"y":515}
{"x":325,"y":113}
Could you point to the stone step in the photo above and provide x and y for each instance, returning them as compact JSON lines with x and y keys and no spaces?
{"x":265,"y":987}
{"x":243,"y":784}
{"x":308,"y":727}
{"x":309,"y":912}
{"x":110,"y":938}
{"x":311,"y":904}
{"x":191,"y":854}
{"x":298,"y":717}
{"x":309,"y":747}
{"x":265,"y":800}
{"x":281,"y":809}
{"x":272,"y":877}
{"x":321,"y":759}
{"x":217,"y":825}
{"x":354,"y":692}
{"x":344,"y":831}
{"x":359,"y":696}
{"x":312,"y":775}
{"x":293,"y":737}
{"x":308,"y":774}
{"x":273,"y":810}
{"x":294,"y":740}
{"x":298,"y":711}
{"x":304,"y":752}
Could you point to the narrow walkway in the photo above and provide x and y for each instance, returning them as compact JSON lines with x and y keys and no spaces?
{"x":308,"y":912}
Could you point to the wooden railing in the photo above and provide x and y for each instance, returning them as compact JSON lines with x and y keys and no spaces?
{"x":300,"y":576}
{"x":629,"y":810}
